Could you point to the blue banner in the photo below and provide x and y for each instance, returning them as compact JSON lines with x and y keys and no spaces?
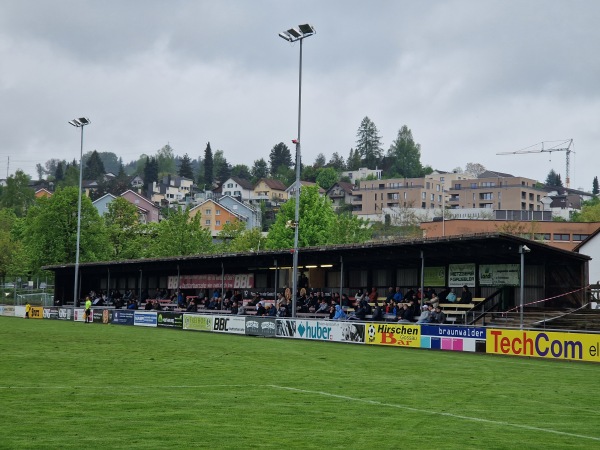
{"x":145,"y":319}
{"x":124,"y":317}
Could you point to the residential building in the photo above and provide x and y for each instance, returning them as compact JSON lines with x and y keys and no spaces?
{"x":101,"y":204}
{"x":245,"y":211}
{"x":43,"y":192}
{"x":172,"y":190}
{"x":563,"y":235}
{"x":213,"y":216}
{"x":341,"y":195}
{"x":291,"y":190}
{"x":362,"y":174}
{"x":147,"y":210}
{"x":270,"y":190}
{"x":239,"y":188}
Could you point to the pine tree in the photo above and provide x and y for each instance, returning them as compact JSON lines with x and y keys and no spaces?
{"x":595,"y":187}
{"x":185,"y":168}
{"x":59,"y":174}
{"x":280,"y":156}
{"x":368,"y":143}
{"x":150,"y":173}
{"x":208,"y":166}
{"x":94,"y":167}
{"x":405,"y":155}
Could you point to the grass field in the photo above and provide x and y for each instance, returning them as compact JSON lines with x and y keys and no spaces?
{"x":72,"y":385}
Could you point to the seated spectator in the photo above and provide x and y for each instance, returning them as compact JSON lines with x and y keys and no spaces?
{"x":466,"y":295}
{"x":434,"y":300}
{"x":390,"y":294}
{"x":332,"y":311}
{"x":282,"y":309}
{"x":406,"y":314}
{"x":212,"y":303}
{"x":148,"y":305}
{"x":443,"y":293}
{"x":157,"y":306}
{"x":425,"y":313}
{"x":398,"y":297}
{"x":192,"y":306}
{"x":360,"y":311}
{"x":415,"y":308}
{"x":451,"y":296}
{"x":260,"y":309}
{"x":373,"y":295}
{"x":377,"y":312}
{"x":339,"y":313}
{"x":234,"y":308}
{"x":180,"y":299}
{"x":437,"y":316}
{"x":323,"y":307}
{"x":345,"y":300}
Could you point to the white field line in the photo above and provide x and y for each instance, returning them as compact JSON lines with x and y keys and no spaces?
{"x":436,"y":413}
{"x":125,"y":389}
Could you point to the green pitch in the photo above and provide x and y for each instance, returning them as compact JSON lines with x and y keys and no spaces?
{"x":75,"y":385}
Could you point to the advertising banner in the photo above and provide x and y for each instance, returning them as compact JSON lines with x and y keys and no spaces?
{"x":229,"y":324}
{"x":107,"y":316}
{"x":7,"y":311}
{"x":19,"y":311}
{"x":65,"y":314}
{"x":461,"y":339}
{"x":434,"y":276}
{"x":286,"y":327}
{"x":327,"y":330}
{"x":499,"y":274}
{"x":397,"y":334}
{"x":212,"y":281}
{"x":102,"y":315}
{"x":167,"y":319}
{"x":260,"y":326}
{"x":51,"y":313}
{"x":79,"y":314}
{"x":144,"y":318}
{"x":37,"y":312}
{"x":544,"y":344}
{"x":461,"y":274}
{"x":123,"y":317}
{"x":197,"y":322}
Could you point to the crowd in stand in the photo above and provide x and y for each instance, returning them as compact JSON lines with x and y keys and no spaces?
{"x":411,"y":306}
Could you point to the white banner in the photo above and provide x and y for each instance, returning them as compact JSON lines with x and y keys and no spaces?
{"x":499,"y":274}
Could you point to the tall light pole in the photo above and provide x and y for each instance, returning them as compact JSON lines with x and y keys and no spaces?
{"x":79,"y":123}
{"x":522,"y":250}
{"x":293,"y":35}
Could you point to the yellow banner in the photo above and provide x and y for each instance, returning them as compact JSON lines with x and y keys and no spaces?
{"x":398,"y":334}
{"x":37,"y":312}
{"x":544,"y":344}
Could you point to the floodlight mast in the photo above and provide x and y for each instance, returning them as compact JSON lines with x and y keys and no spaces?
{"x":293,"y":35}
{"x":78,"y":123}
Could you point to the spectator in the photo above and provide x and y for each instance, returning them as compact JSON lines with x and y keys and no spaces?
{"x":373,"y":295}
{"x":148,"y":305}
{"x":323,"y":307}
{"x":451,"y":296}
{"x":192,"y":306}
{"x":390,"y":294}
{"x":406,"y":314}
{"x":271,"y":311}
{"x":282,"y":310}
{"x":415,"y":308}
{"x":234,"y":308}
{"x":442,"y":294}
{"x":260,"y":309}
{"x":339,"y":313}
{"x":466,"y":296}
{"x":434,"y":300}
{"x":332,"y":311}
{"x":377,"y":312}
{"x":345,"y":300}
{"x":398,"y":297}
{"x":437,"y":316}
{"x":425,"y":313}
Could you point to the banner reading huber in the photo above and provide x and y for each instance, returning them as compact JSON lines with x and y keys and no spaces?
{"x":544,"y":344}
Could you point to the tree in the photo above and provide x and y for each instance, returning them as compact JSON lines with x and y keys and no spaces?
{"x":337,"y":162}
{"x":51,"y":165}
{"x":368,"y":143}
{"x":40,"y":171}
{"x":9,"y":245}
{"x":124,"y":230}
{"x":50,"y":231}
{"x":119,"y":184}
{"x":553,"y":179}
{"x":222,"y":169}
{"x":237,"y":238}
{"x":17,"y":195}
{"x":94,"y":167}
{"x":59,"y":174}
{"x":350,"y":229}
{"x":165,"y":158}
{"x":353,"y":162}
{"x":590,"y":211}
{"x":179,"y":235}
{"x":595,"y":188}
{"x":327,"y":177}
{"x":280,"y":156}
{"x":259,"y":170}
{"x":241,"y":171}
{"x":475,"y":169}
{"x":185,"y":168}
{"x":150,"y":172}
{"x":320,"y":160}
{"x":208,"y":166}
{"x":405,"y":155}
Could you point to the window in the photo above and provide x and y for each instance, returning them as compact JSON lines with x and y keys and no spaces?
{"x":457,"y":186}
{"x":432,"y":197}
{"x":207,"y":222}
{"x":423,"y":195}
{"x":561,"y":237}
{"x":473,"y":185}
{"x":488,"y":184}
{"x":217,"y":212}
{"x":208,"y":212}
{"x":229,"y":185}
{"x":237,"y":194}
{"x":486,"y":196}
{"x":580,"y":237}
{"x":542,"y":236}
{"x":217,"y":222}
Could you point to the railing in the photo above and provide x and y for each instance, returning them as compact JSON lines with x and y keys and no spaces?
{"x":491,"y":304}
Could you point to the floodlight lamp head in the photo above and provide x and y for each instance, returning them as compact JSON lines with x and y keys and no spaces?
{"x":82,"y":121}
{"x":525,"y":249}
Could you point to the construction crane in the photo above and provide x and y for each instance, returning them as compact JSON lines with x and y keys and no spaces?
{"x":559,"y":146}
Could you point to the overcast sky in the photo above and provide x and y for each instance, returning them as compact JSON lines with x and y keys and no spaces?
{"x":470,"y":78}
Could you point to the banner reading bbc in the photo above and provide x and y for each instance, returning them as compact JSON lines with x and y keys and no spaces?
{"x":398,"y":334}
{"x":229,"y":324}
